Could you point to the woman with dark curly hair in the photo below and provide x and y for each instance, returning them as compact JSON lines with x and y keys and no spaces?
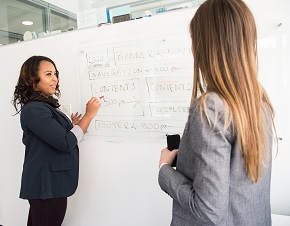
{"x":51,"y":164}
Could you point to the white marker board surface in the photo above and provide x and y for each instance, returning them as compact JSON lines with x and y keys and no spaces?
{"x":146,"y":85}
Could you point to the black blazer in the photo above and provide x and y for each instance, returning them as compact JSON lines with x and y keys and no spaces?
{"x":51,"y":164}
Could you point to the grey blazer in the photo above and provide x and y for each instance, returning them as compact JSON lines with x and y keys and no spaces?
{"x":51,"y":164}
{"x":210,"y":185}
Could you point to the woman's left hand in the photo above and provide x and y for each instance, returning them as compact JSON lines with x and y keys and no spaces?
{"x":75,"y":118}
{"x":167,"y":157}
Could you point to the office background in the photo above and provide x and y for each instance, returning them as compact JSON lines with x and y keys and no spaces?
{"x":118,"y":179}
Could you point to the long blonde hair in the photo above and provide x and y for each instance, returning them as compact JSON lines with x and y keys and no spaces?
{"x":224,"y":46}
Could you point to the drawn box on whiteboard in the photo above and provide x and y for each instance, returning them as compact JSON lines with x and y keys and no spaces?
{"x":169,"y":109}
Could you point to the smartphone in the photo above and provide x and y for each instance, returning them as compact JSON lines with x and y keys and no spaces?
{"x":173,"y":141}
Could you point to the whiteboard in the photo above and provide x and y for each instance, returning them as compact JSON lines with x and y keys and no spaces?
{"x":146,"y":85}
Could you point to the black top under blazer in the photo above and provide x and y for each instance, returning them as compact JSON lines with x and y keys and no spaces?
{"x":51,"y":164}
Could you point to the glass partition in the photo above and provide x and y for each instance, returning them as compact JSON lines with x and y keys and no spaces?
{"x":29,"y":19}
{"x":46,"y":19}
{"x":12,"y":15}
{"x":62,"y":20}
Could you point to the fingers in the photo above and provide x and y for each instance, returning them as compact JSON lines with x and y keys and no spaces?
{"x":76,"y":118}
{"x":175,"y":151}
{"x":93,"y":107}
{"x":167,"y":156}
{"x":76,"y":115}
{"x":93,"y":100}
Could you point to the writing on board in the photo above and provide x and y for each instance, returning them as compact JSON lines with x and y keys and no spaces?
{"x":146,"y":85}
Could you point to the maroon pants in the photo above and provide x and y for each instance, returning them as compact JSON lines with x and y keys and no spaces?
{"x":49,"y":212}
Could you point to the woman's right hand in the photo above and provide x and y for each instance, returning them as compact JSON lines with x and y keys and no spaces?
{"x":167,"y":157}
{"x":92,"y":107}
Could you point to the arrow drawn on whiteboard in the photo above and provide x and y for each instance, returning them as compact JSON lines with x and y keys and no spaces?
{"x":135,"y":101}
{"x":148,"y":70}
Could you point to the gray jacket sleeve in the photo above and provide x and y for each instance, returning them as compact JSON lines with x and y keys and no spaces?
{"x":200,"y":184}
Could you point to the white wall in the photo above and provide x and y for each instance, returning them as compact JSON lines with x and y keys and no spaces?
{"x":276,"y":55}
{"x":118,"y":180}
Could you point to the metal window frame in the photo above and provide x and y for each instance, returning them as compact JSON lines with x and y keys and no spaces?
{"x":47,"y":9}
{"x":61,"y":12}
{"x":40,"y":4}
{"x":10,"y":34}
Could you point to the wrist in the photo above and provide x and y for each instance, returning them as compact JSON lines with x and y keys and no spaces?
{"x":162,"y":164}
{"x":89,"y":116}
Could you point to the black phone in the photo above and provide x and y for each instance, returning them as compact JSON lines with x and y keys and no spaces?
{"x":173,"y":141}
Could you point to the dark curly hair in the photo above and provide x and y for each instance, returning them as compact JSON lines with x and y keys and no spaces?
{"x":28,"y":77}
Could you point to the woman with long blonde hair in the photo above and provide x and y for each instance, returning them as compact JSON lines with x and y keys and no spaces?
{"x":223,"y":171}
